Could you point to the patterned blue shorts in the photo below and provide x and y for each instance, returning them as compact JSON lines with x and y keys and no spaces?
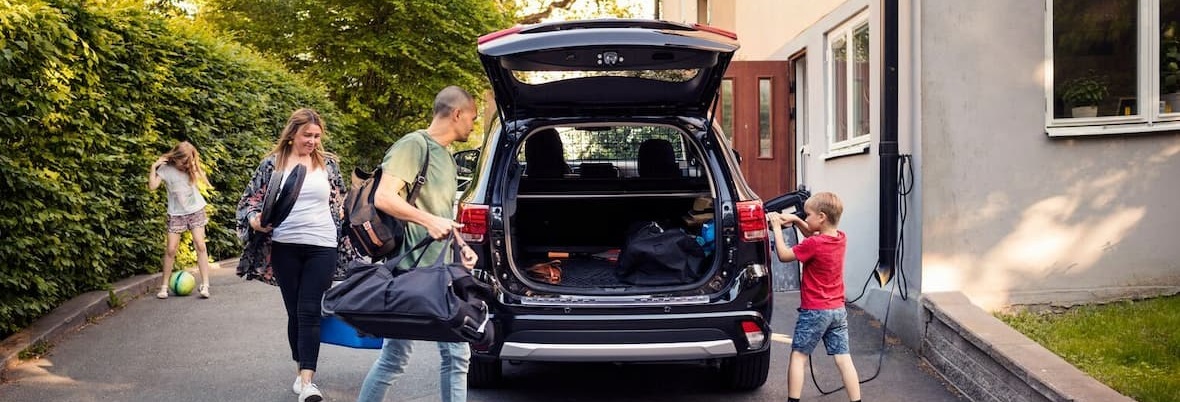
{"x":830,"y":325}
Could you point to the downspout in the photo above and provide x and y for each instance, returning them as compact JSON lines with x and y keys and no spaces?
{"x":887,"y":226}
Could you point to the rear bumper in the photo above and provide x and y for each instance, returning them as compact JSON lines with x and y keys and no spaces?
{"x":626,"y":338}
{"x":616,"y":352}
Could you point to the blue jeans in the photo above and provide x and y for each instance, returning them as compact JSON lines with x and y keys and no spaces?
{"x":395,"y":354}
{"x":831,"y":325}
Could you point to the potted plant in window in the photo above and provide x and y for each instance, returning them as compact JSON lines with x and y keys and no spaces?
{"x":1084,"y":93}
{"x":1170,"y":68}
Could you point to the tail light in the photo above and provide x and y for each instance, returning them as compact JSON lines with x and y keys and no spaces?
{"x":752,"y":220}
{"x":754,"y":335}
{"x":474,"y":218}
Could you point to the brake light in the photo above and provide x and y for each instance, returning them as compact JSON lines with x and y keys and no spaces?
{"x":474,"y":218}
{"x":719,"y":31}
{"x":752,"y":220}
{"x":754,"y":335}
{"x":498,"y":34}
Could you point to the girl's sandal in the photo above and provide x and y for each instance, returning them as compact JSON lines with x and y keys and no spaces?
{"x":163,"y":294}
{"x":204,"y":291}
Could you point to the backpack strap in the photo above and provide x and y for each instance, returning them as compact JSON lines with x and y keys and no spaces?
{"x":420,"y":180}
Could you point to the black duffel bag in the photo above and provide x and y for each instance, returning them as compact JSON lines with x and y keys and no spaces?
{"x":438,"y":302}
{"x":653,"y":256}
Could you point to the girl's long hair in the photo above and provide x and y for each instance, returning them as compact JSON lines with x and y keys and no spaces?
{"x":185,"y":158}
{"x":295,"y":123}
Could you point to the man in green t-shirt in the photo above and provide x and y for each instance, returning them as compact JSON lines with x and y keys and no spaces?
{"x":434,"y":216}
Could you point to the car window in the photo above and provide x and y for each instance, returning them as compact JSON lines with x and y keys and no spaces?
{"x":617,"y":151}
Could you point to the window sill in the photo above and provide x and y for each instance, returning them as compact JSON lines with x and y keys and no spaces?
{"x":1112,"y":129}
{"x":857,"y":148}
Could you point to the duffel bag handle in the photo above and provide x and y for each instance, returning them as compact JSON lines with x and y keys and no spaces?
{"x":391,"y":263}
{"x":452,"y":241}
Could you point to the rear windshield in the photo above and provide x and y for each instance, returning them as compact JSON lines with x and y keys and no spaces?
{"x":609,"y":152}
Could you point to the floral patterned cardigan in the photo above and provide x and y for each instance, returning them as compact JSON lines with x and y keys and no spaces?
{"x":255,"y":261}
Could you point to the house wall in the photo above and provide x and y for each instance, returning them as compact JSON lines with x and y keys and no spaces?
{"x":1011,"y":216}
{"x":856,"y":178}
{"x":998,"y":210}
{"x":803,"y":27}
{"x":761,"y":25}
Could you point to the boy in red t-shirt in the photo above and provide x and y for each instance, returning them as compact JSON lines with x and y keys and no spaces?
{"x":821,"y":311}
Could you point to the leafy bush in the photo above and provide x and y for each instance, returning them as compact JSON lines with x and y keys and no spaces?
{"x":95,"y":91}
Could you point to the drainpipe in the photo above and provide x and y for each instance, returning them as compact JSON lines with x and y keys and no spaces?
{"x":887,"y":226}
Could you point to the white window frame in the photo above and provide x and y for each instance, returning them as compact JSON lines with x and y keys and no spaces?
{"x":1147,"y":100}
{"x":857,"y":144}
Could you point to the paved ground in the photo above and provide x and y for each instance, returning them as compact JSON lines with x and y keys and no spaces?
{"x":232,"y":347}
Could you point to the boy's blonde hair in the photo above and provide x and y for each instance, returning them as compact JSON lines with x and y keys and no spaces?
{"x":829,"y":204}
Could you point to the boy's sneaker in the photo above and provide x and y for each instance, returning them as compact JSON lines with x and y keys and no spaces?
{"x":311,"y":393}
{"x":297,"y":387}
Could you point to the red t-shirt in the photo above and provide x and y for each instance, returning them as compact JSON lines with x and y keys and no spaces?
{"x":823,"y":271}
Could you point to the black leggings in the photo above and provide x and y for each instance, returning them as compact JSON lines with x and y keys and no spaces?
{"x":304,"y":273}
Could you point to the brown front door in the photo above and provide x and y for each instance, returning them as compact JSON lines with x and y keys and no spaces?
{"x":762,"y":130}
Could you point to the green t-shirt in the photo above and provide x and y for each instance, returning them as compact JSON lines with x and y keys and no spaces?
{"x":437,"y":196}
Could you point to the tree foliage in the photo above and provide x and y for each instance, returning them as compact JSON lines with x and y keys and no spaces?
{"x":92,"y":92}
{"x":381,"y":60}
{"x":536,"y":11}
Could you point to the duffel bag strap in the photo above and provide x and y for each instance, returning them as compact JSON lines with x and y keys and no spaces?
{"x":391,"y":263}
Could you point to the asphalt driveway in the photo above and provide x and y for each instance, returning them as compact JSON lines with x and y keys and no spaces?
{"x":232,"y":347}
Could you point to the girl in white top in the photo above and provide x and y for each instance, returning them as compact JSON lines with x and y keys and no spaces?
{"x":180,"y":169}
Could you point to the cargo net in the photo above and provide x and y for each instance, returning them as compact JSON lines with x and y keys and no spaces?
{"x":609,"y":152}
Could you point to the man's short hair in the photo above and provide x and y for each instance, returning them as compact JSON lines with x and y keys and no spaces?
{"x":450,"y":99}
{"x":829,"y":204}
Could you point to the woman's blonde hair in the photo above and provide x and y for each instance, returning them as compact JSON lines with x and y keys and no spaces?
{"x":298,"y":120}
{"x":185,"y":158}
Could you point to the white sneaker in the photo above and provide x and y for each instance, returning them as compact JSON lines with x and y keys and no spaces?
{"x":311,"y":393}
{"x":297,"y":387}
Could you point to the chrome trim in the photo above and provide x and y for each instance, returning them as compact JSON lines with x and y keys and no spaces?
{"x":637,"y":317}
{"x":756,"y":271}
{"x":613,"y":195}
{"x":614,"y":301}
{"x":617,"y":352}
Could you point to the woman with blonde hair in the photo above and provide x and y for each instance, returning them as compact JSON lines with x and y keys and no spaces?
{"x":181,"y":171}
{"x":303,"y":252}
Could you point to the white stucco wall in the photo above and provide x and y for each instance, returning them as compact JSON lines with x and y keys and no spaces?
{"x":761,"y":25}
{"x":1010,"y":215}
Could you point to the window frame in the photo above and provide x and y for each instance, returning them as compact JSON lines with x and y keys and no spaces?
{"x":769,"y":80}
{"x":1148,"y":94}
{"x":846,"y":31}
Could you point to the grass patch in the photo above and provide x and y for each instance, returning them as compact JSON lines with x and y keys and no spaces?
{"x":1131,"y":346}
{"x":35,"y":351}
{"x":114,"y":301}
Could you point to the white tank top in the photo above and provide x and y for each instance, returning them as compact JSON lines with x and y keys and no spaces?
{"x":310,"y":222}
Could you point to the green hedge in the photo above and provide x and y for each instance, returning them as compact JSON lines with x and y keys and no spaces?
{"x":90,"y":94}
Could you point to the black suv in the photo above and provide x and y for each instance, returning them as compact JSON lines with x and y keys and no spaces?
{"x":603,"y":127}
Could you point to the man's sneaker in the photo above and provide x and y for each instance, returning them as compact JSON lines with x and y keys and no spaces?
{"x":297,"y":387}
{"x":311,"y":393}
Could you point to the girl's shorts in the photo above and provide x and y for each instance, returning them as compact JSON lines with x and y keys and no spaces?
{"x":181,"y":223}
